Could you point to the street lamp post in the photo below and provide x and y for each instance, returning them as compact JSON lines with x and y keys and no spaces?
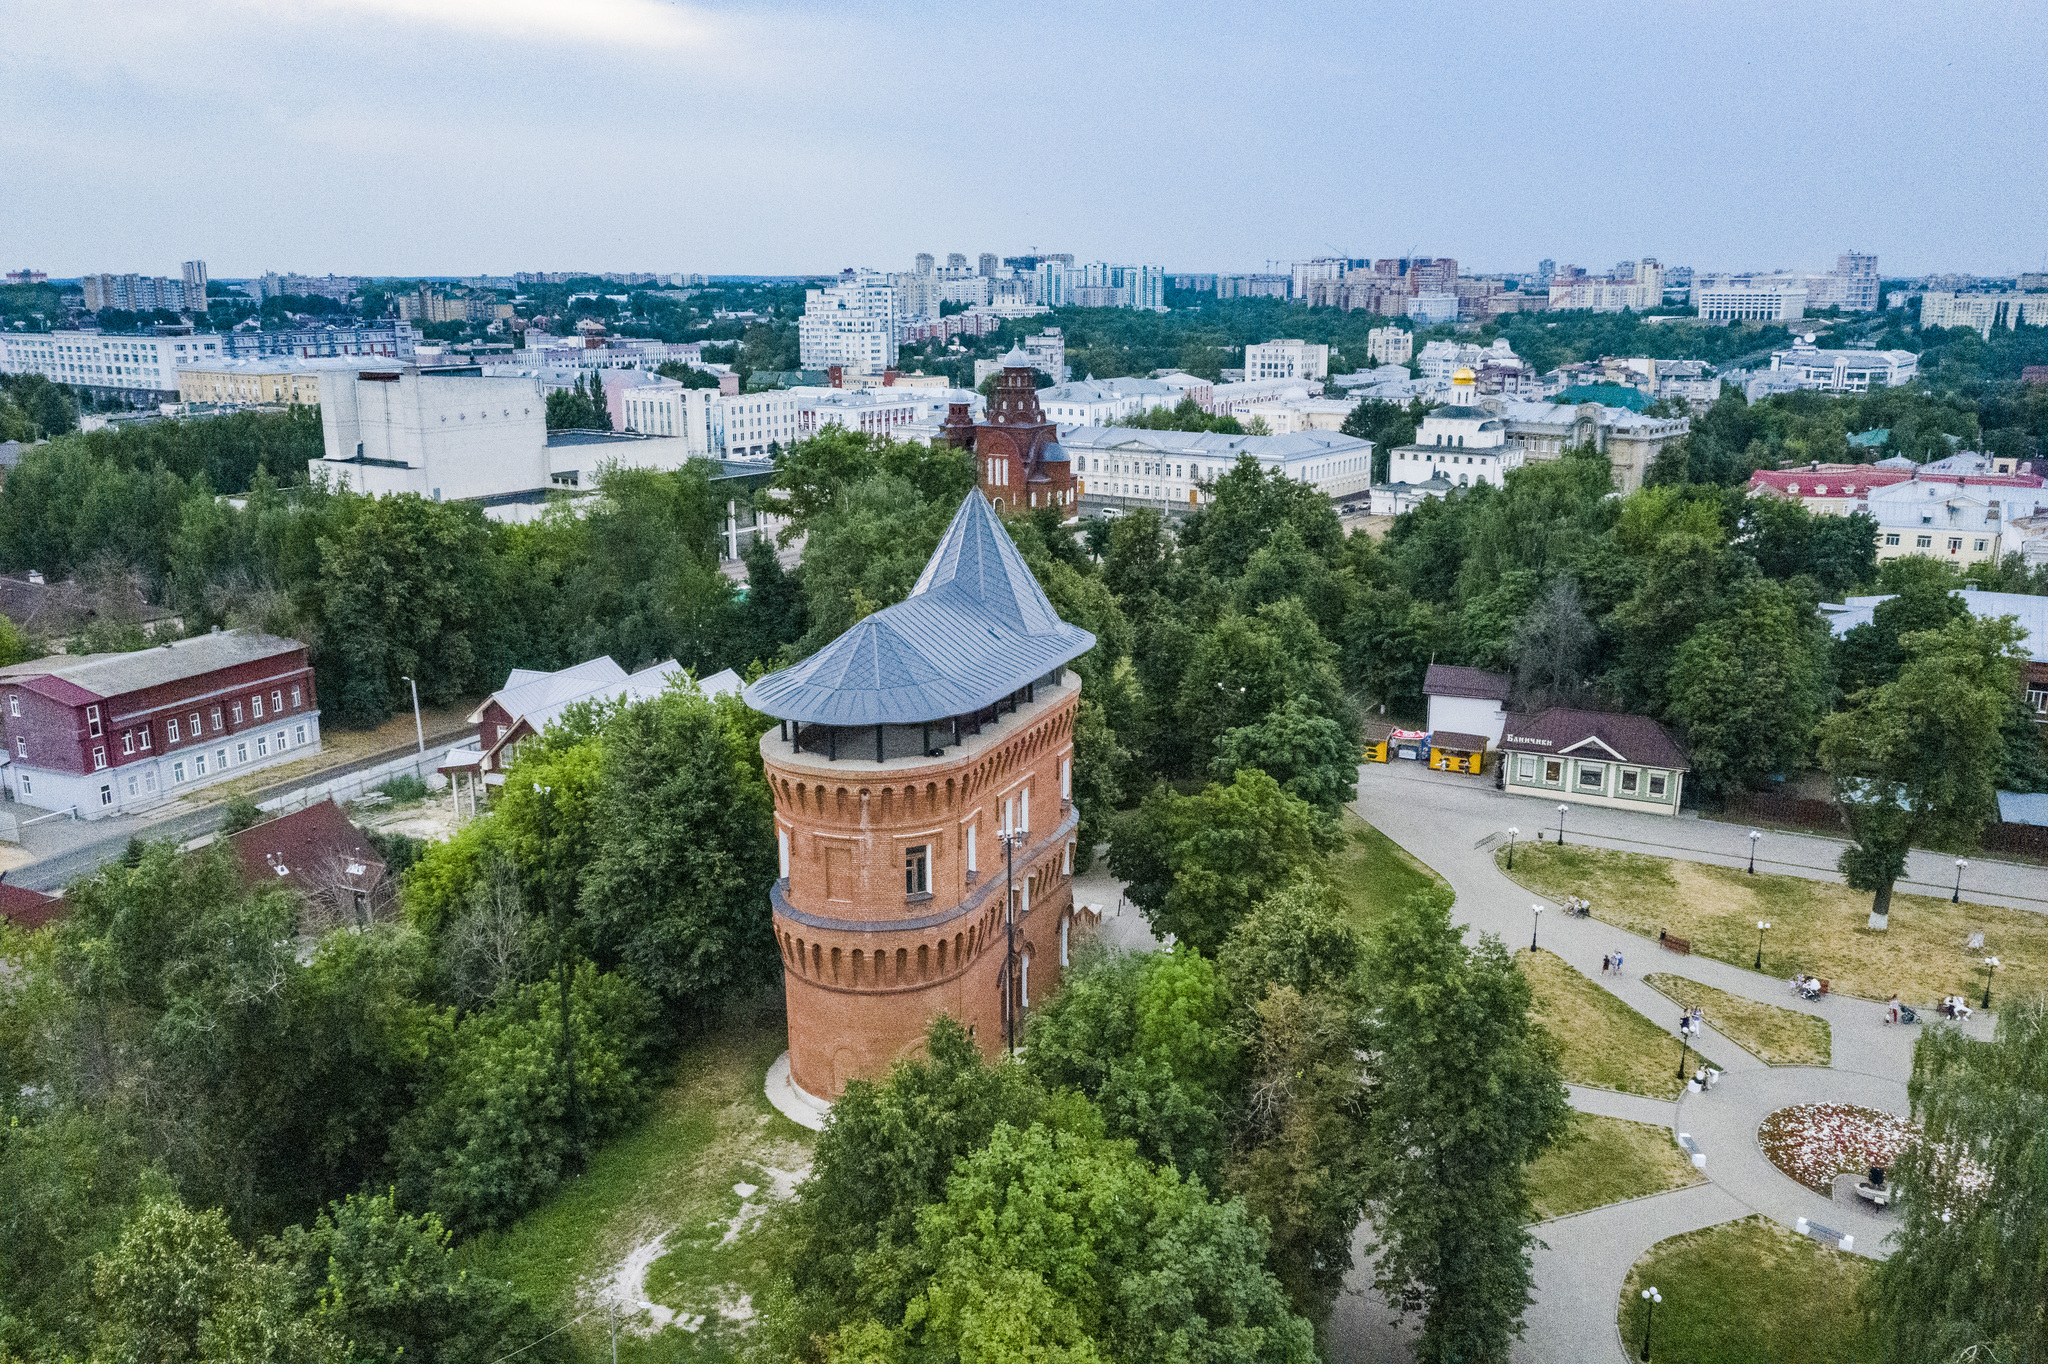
{"x":1957,"y":898}
{"x":1009,"y":842}
{"x":1533,"y":923}
{"x":419,"y":730}
{"x":1763,"y":926}
{"x":1513,"y":832}
{"x":1684,"y":1050}
{"x":1753,"y":837}
{"x":1990,"y":969}
{"x":1560,"y":824}
{"x":1652,"y":1297}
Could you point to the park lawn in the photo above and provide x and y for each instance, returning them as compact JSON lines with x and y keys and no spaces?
{"x":1816,"y":926}
{"x":1603,"y":1160}
{"x":1376,"y":874}
{"x":1748,"y":1290}
{"x":711,"y":1128}
{"x":1778,"y":1037}
{"x":1601,"y":1040}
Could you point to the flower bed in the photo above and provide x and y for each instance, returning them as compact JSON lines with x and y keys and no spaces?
{"x":1815,"y":1142}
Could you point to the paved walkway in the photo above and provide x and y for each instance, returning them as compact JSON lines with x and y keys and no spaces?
{"x":1450,"y":824}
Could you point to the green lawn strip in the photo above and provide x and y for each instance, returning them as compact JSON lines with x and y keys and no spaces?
{"x":1745,"y":1291}
{"x":1605,"y":1160}
{"x":1816,"y":926}
{"x":1601,"y":1040}
{"x":1376,"y":874}
{"x":1778,"y":1037}
{"x":711,"y":1128}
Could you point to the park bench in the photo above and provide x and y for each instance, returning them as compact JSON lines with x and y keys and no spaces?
{"x":1824,"y":1234}
{"x":1692,"y":1150}
{"x":1671,"y":942}
{"x":1872,"y":1193}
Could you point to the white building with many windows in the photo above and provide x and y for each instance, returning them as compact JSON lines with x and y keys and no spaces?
{"x":1286,"y":359}
{"x":1462,"y":444}
{"x":854,"y":323}
{"x":135,"y":369}
{"x":1389,"y":345}
{"x":664,"y":407}
{"x":1117,"y":467}
{"x":1720,"y":299}
{"x":1847,"y":371}
{"x":757,"y":425}
{"x":1982,"y":312}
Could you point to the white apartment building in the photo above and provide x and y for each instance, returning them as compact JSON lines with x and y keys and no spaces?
{"x":1286,"y":359}
{"x":664,"y":407}
{"x":1443,"y":359}
{"x":1284,"y":417}
{"x":756,"y":425}
{"x":1389,"y":345}
{"x":853,"y":323}
{"x":1720,"y":299}
{"x":1048,"y":352}
{"x":1951,"y":521}
{"x":1982,"y":312}
{"x":1173,"y":470}
{"x":1847,"y":371}
{"x":1229,"y":397}
{"x":1098,"y":402}
{"x":877,"y":411}
{"x":135,"y":369}
{"x":1429,"y":309}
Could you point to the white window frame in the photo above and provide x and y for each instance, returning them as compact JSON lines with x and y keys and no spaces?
{"x":92,"y":721}
{"x":1660,"y":786}
{"x":178,"y":773}
{"x":99,"y":757}
{"x":1525,"y":767}
{"x":1598,"y":771}
{"x":1630,"y":782}
{"x":1548,"y":779}
{"x":145,"y":738}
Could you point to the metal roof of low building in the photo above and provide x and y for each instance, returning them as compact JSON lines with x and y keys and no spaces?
{"x":1594,"y":734}
{"x":106,"y":675}
{"x":1477,"y":684}
{"x":974,"y":629}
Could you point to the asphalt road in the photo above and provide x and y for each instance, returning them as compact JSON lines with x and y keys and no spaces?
{"x":62,"y":867}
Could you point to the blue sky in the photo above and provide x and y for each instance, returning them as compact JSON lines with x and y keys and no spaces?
{"x":446,"y":136}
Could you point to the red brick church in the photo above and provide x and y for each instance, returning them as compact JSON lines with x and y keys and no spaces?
{"x":1016,"y":449}
{"x":925,"y":760}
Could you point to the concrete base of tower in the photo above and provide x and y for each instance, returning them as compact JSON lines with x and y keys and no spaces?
{"x":792,"y":1100}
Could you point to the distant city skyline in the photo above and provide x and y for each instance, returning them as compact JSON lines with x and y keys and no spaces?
{"x":462,"y":137}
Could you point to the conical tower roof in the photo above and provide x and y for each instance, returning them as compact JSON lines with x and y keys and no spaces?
{"x":975,"y":628}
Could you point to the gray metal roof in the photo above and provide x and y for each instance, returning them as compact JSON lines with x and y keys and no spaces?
{"x":975,"y":628}
{"x":117,"y":674}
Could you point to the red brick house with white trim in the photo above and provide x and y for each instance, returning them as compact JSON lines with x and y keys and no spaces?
{"x":109,"y":733}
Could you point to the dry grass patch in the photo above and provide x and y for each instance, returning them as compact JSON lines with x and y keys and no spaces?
{"x":1778,"y":1037}
{"x":1605,"y":1160}
{"x":1601,"y":1040}
{"x":657,"y":1228}
{"x":1816,"y":926}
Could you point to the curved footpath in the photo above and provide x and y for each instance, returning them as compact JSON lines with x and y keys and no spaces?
{"x":1453,"y":826}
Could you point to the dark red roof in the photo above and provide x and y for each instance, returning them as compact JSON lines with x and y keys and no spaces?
{"x":61,"y":690}
{"x":1475,"y":684}
{"x":27,"y":908}
{"x":1594,"y":734}
{"x":312,"y":848}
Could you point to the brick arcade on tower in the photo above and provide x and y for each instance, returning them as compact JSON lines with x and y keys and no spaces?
{"x":915,"y":752}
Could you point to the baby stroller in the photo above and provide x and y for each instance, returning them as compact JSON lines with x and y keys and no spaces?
{"x":1906,"y":1014}
{"x":1809,"y":989}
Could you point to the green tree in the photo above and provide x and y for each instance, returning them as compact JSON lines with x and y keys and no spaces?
{"x":772,"y":617}
{"x":1466,"y":1093}
{"x":1916,"y":760}
{"x":1053,"y":1245}
{"x":1309,"y":754}
{"x":1553,"y":649}
{"x":684,"y":856}
{"x":1749,"y":686}
{"x":1969,"y":1271}
{"x":1142,"y":1037}
{"x":1196,"y":865}
{"x":851,"y":1251}
{"x":240,"y":813}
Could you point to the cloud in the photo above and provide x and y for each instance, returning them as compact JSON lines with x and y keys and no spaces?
{"x":603,"y":23}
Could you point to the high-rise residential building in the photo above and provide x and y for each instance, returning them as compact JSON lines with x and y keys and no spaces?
{"x":924,"y":262}
{"x":1982,"y":312}
{"x":1859,"y":282}
{"x":340,"y":288}
{"x":1321,"y":270}
{"x":1389,"y":345}
{"x":133,"y":293}
{"x":987,"y":264}
{"x":956,"y":260}
{"x":852,"y":323}
{"x":195,"y":285}
{"x":1544,"y":270}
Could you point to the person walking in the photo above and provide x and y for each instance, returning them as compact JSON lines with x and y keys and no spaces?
{"x":1892,"y":1009}
{"x":1606,"y":962}
{"x":1617,"y":963}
